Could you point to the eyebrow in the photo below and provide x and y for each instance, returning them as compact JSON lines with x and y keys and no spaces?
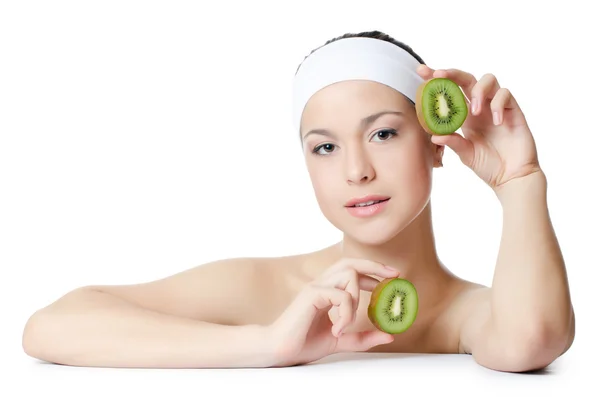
{"x":364,"y":123}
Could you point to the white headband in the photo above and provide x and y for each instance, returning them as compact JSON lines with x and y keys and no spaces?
{"x":356,"y":58}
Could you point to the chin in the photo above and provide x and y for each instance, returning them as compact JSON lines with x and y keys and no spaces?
{"x":374,"y":231}
{"x":363,"y":237}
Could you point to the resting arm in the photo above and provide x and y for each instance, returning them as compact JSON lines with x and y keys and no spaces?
{"x":526,"y":321}
{"x":213,"y":315}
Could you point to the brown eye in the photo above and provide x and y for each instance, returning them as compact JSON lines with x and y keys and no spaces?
{"x":385,"y":135}
{"x":327,"y":146}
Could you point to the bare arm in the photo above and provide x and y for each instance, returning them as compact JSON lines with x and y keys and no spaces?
{"x":526,"y":321}
{"x":185,"y":320}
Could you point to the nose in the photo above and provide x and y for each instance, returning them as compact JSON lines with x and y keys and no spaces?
{"x":358,"y":167}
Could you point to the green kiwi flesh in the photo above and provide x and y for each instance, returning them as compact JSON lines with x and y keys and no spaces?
{"x":441,"y":106}
{"x":394,"y":305}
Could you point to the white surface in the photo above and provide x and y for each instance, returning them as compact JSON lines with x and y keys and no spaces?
{"x":120,"y":162}
{"x":343,"y":374}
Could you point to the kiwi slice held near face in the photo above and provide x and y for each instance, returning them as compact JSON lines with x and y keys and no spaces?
{"x":394,"y":305}
{"x":441,"y":106}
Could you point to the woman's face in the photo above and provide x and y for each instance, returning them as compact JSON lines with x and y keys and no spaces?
{"x":347,"y":159}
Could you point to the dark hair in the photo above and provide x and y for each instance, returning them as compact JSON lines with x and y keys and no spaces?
{"x":374,"y":34}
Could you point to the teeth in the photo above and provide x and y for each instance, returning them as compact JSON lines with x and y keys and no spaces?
{"x":367,"y":203}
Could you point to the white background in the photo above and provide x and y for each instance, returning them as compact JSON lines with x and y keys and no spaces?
{"x":138,"y":139}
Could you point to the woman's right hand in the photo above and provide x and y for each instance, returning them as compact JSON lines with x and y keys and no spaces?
{"x":304,"y":332}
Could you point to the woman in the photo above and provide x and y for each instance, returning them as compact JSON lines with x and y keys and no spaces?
{"x":362,"y":143}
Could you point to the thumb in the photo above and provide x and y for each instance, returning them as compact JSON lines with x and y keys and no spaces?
{"x":461,"y":146}
{"x":362,"y":341}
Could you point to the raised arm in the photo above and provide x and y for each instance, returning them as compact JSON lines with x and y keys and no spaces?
{"x":527,"y":319}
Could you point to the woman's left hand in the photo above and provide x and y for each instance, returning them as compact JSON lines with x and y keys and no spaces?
{"x":497,"y":143}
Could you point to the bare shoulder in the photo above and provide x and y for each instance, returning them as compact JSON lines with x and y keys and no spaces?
{"x":231,"y":291}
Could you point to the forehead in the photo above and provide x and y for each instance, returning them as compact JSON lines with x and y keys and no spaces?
{"x":346,"y":103}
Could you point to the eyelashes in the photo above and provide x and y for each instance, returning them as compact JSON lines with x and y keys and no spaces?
{"x":384,"y":135}
{"x":319,"y":147}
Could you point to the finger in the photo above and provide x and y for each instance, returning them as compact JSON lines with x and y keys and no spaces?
{"x":425,"y":71}
{"x":367,"y":283}
{"x":465,"y":80}
{"x":461,"y":146}
{"x":485,"y":88}
{"x":346,"y":314}
{"x":351,"y":282}
{"x":341,"y":279}
{"x":367,"y":267}
{"x":502,"y":100}
{"x":362,"y":341}
{"x":324,"y":297}
{"x":356,"y":282}
{"x":298,"y":318}
{"x":353,"y":288}
{"x":344,"y":278}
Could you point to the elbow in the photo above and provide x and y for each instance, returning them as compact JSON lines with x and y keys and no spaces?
{"x":33,"y":342}
{"x":536,"y":348}
{"x":536,"y":355}
{"x":44,"y":335}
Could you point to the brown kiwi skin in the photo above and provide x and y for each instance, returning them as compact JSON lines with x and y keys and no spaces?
{"x":374,"y":297}
{"x":419,"y":107}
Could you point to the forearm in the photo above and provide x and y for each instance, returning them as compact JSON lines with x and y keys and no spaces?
{"x":92,"y":328}
{"x":530,"y":292}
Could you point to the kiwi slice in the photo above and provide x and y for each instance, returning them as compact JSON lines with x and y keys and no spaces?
{"x":441,"y":106}
{"x":394,"y":305}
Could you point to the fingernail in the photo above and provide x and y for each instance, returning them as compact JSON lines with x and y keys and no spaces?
{"x":496,"y":116}
{"x":473,"y":105}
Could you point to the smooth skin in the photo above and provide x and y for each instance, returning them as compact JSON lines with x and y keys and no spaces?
{"x":282,"y":311}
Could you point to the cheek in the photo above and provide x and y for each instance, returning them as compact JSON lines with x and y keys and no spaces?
{"x":420,"y":177}
{"x":410,"y":154}
{"x":325,"y":182}
{"x":321,"y":180}
{"x":409,"y":166}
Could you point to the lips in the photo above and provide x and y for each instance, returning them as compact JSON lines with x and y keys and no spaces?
{"x":366,"y":201}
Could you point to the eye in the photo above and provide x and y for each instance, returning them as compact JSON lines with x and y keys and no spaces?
{"x":385,"y":135}
{"x":327,"y":146}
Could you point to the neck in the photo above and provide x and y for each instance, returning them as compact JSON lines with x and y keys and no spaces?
{"x":412,"y":251}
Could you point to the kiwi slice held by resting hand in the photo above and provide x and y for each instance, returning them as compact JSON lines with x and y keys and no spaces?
{"x":394,"y":305}
{"x":441,"y":106}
